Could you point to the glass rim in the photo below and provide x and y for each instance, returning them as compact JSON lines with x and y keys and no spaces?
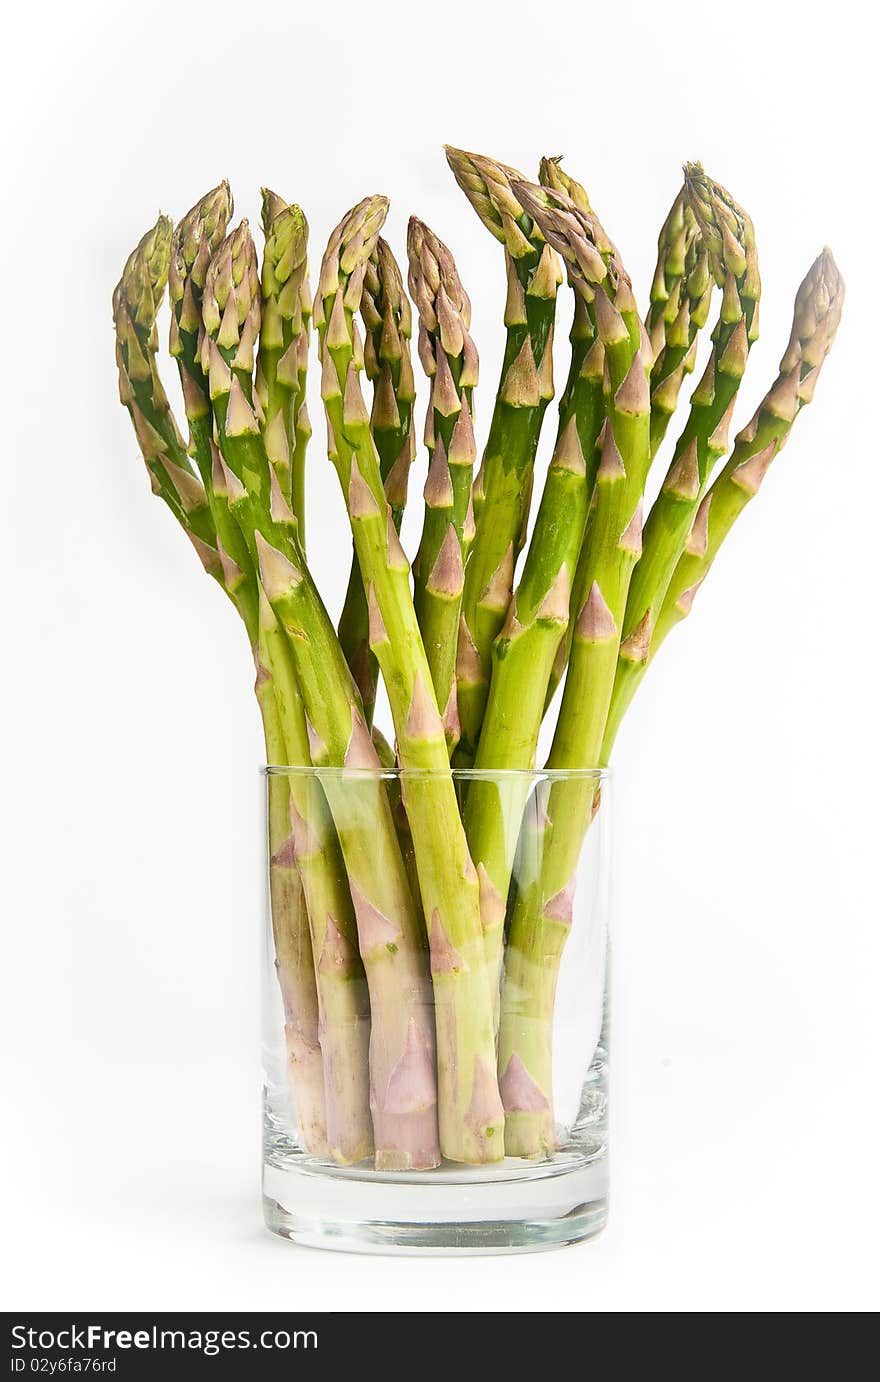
{"x":440,"y":774}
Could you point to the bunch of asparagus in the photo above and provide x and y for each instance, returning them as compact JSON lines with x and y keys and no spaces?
{"x":417,"y":949}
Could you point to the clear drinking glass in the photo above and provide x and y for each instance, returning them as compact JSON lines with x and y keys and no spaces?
{"x":426,"y":1091}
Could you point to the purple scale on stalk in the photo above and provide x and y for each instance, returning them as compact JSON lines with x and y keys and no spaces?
{"x":519,"y":1093}
{"x":412,"y":1083}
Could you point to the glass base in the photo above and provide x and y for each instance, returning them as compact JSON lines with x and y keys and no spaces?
{"x":519,"y":1206}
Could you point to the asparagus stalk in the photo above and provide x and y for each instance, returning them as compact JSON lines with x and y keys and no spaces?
{"x":136,"y":301}
{"x":681,"y":295}
{"x":524,"y":651}
{"x":613,"y":536}
{"x":196,"y":239}
{"x":402,"y":1096}
{"x":402,"y":1078}
{"x":283,"y":356}
{"x":471,"y":1118}
{"x":245,"y":478}
{"x":502,"y":492}
{"x":450,"y":361}
{"x":541,"y":912}
{"x":817,"y":310}
{"x":555,"y":178}
{"x":306,"y":848}
{"x":729,"y":237}
{"x":184,"y":260}
{"x":387,"y":318}
{"x":294,"y":964}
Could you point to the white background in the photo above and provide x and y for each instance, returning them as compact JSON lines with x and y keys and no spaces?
{"x":746,"y":1004}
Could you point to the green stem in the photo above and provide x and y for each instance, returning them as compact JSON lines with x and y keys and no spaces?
{"x":681,"y":294}
{"x":250,"y":487}
{"x":284,"y":348}
{"x":450,"y":360}
{"x":502,"y":492}
{"x":387,"y":319}
{"x":524,"y":652}
{"x":136,"y":301}
{"x":729,"y":237}
{"x":542,"y":911}
{"x":306,"y":846}
{"x":470,"y":1112}
{"x":549,"y":849}
{"x":389,"y":936}
{"x":817,"y":312}
{"x":293,"y":950}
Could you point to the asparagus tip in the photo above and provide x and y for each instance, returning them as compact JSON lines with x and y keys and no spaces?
{"x":825,"y":273}
{"x":272,"y":206}
{"x":489,"y":187}
{"x":145,"y":274}
{"x":208,"y":217}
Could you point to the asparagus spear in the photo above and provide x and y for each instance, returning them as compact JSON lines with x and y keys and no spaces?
{"x":306,"y":847}
{"x":196,"y":239}
{"x":402,"y":1081}
{"x":142,"y":286}
{"x":136,"y":301}
{"x":553,"y":176}
{"x":402,"y":1078}
{"x":502,"y":492}
{"x":245,"y":477}
{"x":450,"y":360}
{"x":729,"y":237}
{"x":524,"y":651}
{"x":681,"y":295}
{"x":542,"y":907}
{"x":284,"y":348}
{"x":387,"y":318}
{"x":401,"y":1084}
{"x":294,"y":962}
{"x":817,"y":310}
{"x":471,"y":1117}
